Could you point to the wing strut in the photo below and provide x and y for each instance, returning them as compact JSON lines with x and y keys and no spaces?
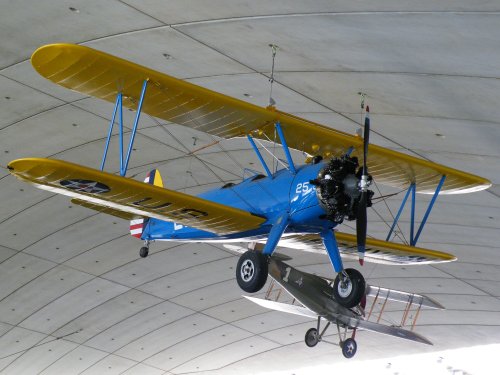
{"x":411,"y":190}
{"x":259,"y":155}
{"x":291,"y":166}
{"x":119,"y":107}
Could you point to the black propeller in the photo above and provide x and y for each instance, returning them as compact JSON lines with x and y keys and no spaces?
{"x":361,"y":221}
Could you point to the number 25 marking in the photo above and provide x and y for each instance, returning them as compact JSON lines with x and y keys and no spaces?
{"x":302,"y":188}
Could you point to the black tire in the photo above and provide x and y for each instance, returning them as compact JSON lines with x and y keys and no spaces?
{"x":251,"y":271}
{"x":144,"y":251}
{"x":355,"y":289}
{"x":349,"y":348}
{"x":311,"y":338}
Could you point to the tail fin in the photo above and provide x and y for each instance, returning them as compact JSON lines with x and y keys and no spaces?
{"x":154,"y":178}
{"x":137,"y":226}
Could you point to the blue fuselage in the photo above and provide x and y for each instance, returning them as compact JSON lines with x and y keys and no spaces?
{"x":263,"y":196}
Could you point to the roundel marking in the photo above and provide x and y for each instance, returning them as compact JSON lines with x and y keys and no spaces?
{"x":85,"y":186}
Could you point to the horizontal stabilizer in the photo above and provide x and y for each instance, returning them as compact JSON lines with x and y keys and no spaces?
{"x":120,"y":196}
{"x":404,"y":297}
{"x":283,"y":307}
{"x":385,"y":330}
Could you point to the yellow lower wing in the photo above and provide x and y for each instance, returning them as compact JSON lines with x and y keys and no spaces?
{"x":128,"y":198}
{"x":377,"y":251}
{"x":101,"y":75}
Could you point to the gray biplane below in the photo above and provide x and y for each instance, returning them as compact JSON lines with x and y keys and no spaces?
{"x":313,"y":297}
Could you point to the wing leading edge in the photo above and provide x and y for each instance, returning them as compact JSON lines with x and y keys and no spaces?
{"x":377,"y":251}
{"x":128,"y":198}
{"x":100,"y":75}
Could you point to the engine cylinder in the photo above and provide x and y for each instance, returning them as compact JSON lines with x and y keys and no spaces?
{"x":337,"y":188}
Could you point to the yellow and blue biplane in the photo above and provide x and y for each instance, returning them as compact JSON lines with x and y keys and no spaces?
{"x":298,"y":207}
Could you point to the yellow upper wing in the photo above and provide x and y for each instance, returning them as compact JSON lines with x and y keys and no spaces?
{"x":377,"y":251}
{"x":101,"y":75}
{"x":128,"y":198}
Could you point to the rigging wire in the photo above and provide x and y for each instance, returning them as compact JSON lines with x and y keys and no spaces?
{"x":399,"y":233}
{"x":192,"y":153}
{"x":384,"y":197}
{"x":189,"y":152}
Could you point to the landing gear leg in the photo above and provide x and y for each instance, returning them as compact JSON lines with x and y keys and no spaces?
{"x":348,"y":345}
{"x":313,"y":335}
{"x":349,"y":286}
{"x":144,"y":251}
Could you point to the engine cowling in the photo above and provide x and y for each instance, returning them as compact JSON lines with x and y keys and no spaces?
{"x":337,"y":188}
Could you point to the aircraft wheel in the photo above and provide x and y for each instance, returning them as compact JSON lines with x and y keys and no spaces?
{"x":251,"y":271}
{"x":349,"y":348}
{"x":351,"y":292}
{"x":311,"y":338}
{"x":144,"y":251}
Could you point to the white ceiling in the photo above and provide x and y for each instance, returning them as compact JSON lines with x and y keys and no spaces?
{"x":74,"y":295}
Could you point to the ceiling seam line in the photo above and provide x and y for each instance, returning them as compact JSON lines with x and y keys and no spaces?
{"x":59,"y":230}
{"x":229,"y":19}
{"x":25,"y":209}
{"x":142,"y":12}
{"x":469,"y":284}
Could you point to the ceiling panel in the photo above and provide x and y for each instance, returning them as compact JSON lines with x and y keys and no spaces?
{"x":75,"y":297}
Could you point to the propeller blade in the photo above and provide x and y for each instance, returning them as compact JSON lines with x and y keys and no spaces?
{"x":362,"y":222}
{"x":366,"y":140}
{"x":361,"y":226}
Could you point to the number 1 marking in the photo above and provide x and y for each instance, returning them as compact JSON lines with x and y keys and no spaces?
{"x":287,"y":270}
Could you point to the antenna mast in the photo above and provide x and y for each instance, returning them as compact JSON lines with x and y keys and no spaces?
{"x":274,"y":50}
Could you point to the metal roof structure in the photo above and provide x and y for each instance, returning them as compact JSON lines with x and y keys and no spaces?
{"x":74,"y":295}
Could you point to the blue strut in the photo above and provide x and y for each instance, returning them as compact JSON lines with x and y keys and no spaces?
{"x":119,"y":108}
{"x":259,"y":155}
{"x":118,"y":104}
{"x":279,"y":225}
{"x":411,"y":191}
{"x":286,"y":149}
{"x":330,"y":243}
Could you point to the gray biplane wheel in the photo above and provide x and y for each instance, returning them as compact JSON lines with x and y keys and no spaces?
{"x":311,"y":338}
{"x":350,"y":294}
{"x":349,"y":348}
{"x":144,"y":251}
{"x":251,"y":271}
